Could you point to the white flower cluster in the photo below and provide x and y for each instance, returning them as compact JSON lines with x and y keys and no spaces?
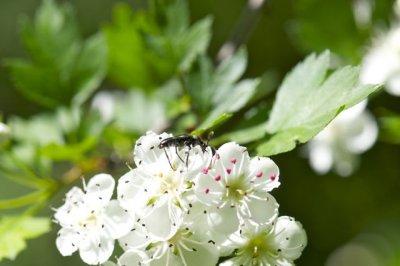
{"x":338,"y":146}
{"x":182,"y":205}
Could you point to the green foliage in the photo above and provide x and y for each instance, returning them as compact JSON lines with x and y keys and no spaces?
{"x":145,"y":52}
{"x":317,"y":31}
{"x":62,"y":67}
{"x":15,"y":230}
{"x":390,"y":124}
{"x":308,"y":100}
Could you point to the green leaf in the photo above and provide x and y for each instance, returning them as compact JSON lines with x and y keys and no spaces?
{"x":243,"y":136}
{"x":72,"y":152}
{"x":206,"y":127}
{"x":194,"y":42}
{"x":145,"y":51}
{"x":128,"y":64}
{"x":308,"y":100}
{"x":15,"y":230}
{"x":58,"y":56}
{"x":177,"y":16}
{"x":237,"y":98}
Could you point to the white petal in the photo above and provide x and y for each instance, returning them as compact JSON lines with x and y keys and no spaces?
{"x":99,"y":190}
{"x":168,"y":258}
{"x":321,"y":157}
{"x":289,"y":237}
{"x":224,"y":220}
{"x":232,"y":160}
{"x":70,"y":213}
{"x":200,"y":255}
{"x":163,"y":220}
{"x":260,"y":211}
{"x":132,"y":192}
{"x":136,"y":238}
{"x":264,"y":173}
{"x":235,"y":261}
{"x":133,"y":258}
{"x":67,"y":241}
{"x":109,"y":263}
{"x":209,"y":188}
{"x":96,"y":249}
{"x":197,"y":161}
{"x":117,"y":222}
{"x":147,"y":150}
{"x":361,"y":134}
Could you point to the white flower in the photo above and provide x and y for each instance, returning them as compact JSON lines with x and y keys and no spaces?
{"x":382,"y":62}
{"x":183,"y":247}
{"x":104,"y":103}
{"x":239,"y":188}
{"x":91,"y":221}
{"x":352,"y":132}
{"x":278,"y":244}
{"x":156,"y":190}
{"x":131,"y":258}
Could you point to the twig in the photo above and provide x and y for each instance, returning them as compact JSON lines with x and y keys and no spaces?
{"x":246,"y":24}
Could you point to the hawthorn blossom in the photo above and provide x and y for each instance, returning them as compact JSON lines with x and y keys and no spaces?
{"x":278,"y":244}
{"x":382,"y":62}
{"x":238,"y":186}
{"x":156,"y":190}
{"x":91,"y":221}
{"x":183,"y":247}
{"x":352,"y":132}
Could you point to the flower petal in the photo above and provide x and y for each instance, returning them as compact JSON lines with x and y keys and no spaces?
{"x":289,"y":237}
{"x":69,"y":213}
{"x":224,"y":220}
{"x":163,"y":220}
{"x":99,"y":190}
{"x":67,"y":241}
{"x":96,"y":249}
{"x":117,"y":222}
{"x":133,"y":258}
{"x":209,"y":188}
{"x":231,"y":160}
{"x":147,"y":149}
{"x":264,"y":174}
{"x":136,"y":238}
{"x":132,"y":192}
{"x":261,"y":210}
{"x":200,"y":254}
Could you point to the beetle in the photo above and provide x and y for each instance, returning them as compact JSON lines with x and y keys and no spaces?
{"x":189,"y":141}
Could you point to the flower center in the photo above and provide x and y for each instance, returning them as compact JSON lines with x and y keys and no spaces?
{"x":256,"y":249}
{"x":236,"y":190}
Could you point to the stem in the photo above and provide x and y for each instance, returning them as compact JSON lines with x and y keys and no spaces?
{"x":37,"y":196}
{"x":246,"y":24}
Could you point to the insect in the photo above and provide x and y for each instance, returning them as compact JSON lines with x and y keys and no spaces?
{"x":184,"y":141}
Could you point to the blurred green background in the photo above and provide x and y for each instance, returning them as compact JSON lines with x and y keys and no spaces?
{"x":363,"y":209}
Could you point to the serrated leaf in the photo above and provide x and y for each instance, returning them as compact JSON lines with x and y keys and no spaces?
{"x":238,"y":96}
{"x":308,"y":100}
{"x":61,"y":65}
{"x":177,"y":15}
{"x":15,"y":230}
{"x":244,"y":136}
{"x":195,"y":42}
